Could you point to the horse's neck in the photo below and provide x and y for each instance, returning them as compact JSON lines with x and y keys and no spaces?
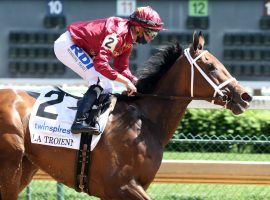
{"x":165,"y":115}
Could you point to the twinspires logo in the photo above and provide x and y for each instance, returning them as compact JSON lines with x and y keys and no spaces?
{"x":83,"y":57}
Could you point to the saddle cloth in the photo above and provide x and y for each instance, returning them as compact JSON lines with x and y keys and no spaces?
{"x":52,"y":116}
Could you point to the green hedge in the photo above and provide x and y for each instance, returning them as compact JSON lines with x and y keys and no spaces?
{"x":253,"y":124}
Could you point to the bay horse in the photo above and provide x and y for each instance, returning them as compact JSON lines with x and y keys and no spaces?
{"x":129,"y":154}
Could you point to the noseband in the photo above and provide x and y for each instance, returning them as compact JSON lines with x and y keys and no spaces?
{"x":217,"y":88}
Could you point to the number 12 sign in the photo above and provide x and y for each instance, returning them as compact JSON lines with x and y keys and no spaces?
{"x":198,"y":8}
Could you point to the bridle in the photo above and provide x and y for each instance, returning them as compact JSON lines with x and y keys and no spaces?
{"x":217,"y":88}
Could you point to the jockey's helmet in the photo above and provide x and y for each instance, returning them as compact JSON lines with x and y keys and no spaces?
{"x":147,"y":18}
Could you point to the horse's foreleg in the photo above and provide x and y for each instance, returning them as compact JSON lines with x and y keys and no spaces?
{"x":12,"y":150}
{"x":28,"y":171}
{"x":10,"y":183}
{"x":133,"y":191}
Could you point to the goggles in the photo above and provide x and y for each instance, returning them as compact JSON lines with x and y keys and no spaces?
{"x":151,"y":33}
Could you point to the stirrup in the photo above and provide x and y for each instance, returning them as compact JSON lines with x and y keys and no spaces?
{"x":78,"y":127}
{"x":94,"y":131}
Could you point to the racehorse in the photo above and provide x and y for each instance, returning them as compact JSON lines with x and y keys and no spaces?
{"x":129,"y":153}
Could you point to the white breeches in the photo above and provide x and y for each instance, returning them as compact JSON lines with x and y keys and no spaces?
{"x":80,"y":62}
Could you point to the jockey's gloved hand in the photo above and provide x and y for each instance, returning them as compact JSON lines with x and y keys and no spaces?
{"x":130,"y":88}
{"x":134,"y":80}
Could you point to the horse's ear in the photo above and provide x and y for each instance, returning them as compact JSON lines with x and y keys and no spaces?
{"x":201,"y":34}
{"x":195,"y":41}
{"x":201,"y":41}
{"x":198,"y":41}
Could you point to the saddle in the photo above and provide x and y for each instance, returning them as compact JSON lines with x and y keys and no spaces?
{"x":51,"y":117}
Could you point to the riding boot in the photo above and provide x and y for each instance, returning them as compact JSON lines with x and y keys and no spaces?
{"x":90,"y":97}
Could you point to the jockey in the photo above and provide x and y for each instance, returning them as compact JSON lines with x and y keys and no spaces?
{"x":88,"y":46}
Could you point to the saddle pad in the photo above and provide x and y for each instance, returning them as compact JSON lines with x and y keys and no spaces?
{"x":52,"y":116}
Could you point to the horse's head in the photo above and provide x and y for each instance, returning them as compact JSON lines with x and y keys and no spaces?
{"x":209,"y":78}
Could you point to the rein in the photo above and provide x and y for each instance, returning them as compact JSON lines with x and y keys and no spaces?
{"x":172,"y":97}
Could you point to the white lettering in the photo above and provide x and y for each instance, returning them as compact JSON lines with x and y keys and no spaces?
{"x":55,"y":7}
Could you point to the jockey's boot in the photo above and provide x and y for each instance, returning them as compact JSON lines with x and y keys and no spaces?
{"x":79,"y":125}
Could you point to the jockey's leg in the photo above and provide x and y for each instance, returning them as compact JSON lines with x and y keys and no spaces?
{"x":65,"y":50}
{"x":90,"y":97}
{"x":133,"y":191}
{"x":12,"y":151}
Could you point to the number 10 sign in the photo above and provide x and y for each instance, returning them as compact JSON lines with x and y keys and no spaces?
{"x":55,"y":7}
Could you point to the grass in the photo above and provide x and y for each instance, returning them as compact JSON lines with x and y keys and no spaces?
{"x":209,"y":192}
{"x":48,"y":190}
{"x":171,"y":155}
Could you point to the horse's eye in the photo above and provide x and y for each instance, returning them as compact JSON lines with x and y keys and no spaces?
{"x":211,"y":67}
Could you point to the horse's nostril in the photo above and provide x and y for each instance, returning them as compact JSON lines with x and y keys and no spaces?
{"x":246,"y":97}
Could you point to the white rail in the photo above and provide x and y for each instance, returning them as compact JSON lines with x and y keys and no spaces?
{"x":78,"y":86}
{"x":217,"y":172}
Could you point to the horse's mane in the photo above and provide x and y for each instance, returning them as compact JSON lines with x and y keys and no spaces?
{"x":156,"y":66}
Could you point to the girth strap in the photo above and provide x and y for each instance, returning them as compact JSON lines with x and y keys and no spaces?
{"x":84,"y":153}
{"x":83,"y":163}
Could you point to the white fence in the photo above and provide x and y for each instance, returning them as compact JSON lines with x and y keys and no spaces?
{"x":78,"y":86}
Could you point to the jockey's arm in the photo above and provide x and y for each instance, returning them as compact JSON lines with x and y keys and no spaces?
{"x":101,"y":64}
{"x":121,"y":64}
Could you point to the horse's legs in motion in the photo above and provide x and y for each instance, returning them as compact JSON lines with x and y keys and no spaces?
{"x":28,"y":171}
{"x":133,"y":191}
{"x":11,"y":154}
